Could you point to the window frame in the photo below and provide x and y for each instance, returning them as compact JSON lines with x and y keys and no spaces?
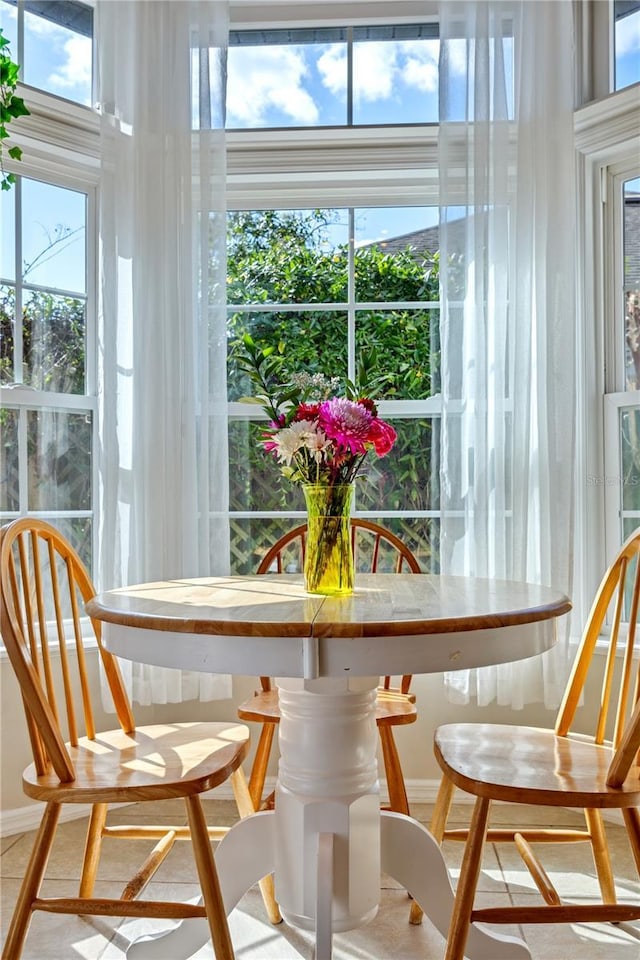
{"x":60,"y":142}
{"x":607,"y":147}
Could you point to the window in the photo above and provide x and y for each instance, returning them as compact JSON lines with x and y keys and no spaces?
{"x":622,"y":399}
{"x":52,"y":42}
{"x":384,"y":74}
{"x":46,"y":313}
{"x":351,"y":293}
{"x":333,"y":76}
{"x":626,"y":42}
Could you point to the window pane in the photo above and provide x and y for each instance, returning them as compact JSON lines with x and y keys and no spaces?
{"x":54,"y":343}
{"x":9,"y":25}
{"x":9,"y":494}
{"x":399,"y":350}
{"x":632,"y":283}
{"x":395,"y":81}
{"x":58,"y":49}
{"x":59,"y":460}
{"x":630,"y":455}
{"x":53,"y":242}
{"x":278,"y":78}
{"x":627,"y":43}
{"x":7,"y":235}
{"x":395,"y":248}
{"x":421,"y":535}
{"x":287,"y":256}
{"x":251,"y":537}
{"x":79,"y":531}
{"x":316,"y":342}
{"x":409,"y":478}
{"x":255,"y":481}
{"x":7,"y":334}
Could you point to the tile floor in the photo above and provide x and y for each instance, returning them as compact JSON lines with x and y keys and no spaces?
{"x":389,"y":936}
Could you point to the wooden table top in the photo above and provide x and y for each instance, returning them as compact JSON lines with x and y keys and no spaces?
{"x":475,"y":620}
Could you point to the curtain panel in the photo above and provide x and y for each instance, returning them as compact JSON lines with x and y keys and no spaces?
{"x":162,"y":462}
{"x":507,"y":248}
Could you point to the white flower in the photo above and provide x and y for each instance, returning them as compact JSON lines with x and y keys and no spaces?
{"x":293,"y":438}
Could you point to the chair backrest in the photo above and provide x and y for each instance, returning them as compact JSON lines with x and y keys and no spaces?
{"x":43,"y":588}
{"x":375,"y":550}
{"x":616,"y":602}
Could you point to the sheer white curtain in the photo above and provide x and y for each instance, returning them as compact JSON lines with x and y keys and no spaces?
{"x":507,"y":247}
{"x":162,"y":389}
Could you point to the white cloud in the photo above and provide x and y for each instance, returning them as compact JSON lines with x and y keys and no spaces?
{"x":75,"y":70}
{"x":374,"y":70}
{"x":261,"y":78}
{"x":332,"y":66}
{"x":381,"y":68}
{"x":420,"y":66}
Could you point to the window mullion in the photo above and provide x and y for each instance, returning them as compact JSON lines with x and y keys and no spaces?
{"x":18,"y":331}
{"x":351,"y":299}
{"x":23,"y":465}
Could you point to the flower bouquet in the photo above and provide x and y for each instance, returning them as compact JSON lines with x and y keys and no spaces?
{"x":321,"y":441}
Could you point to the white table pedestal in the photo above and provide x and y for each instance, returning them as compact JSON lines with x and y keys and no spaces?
{"x":326,"y":840}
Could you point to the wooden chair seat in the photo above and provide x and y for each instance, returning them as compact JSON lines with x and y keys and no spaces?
{"x":556,"y":767}
{"x":377,"y":550}
{"x":530,"y":765}
{"x":161,"y":762}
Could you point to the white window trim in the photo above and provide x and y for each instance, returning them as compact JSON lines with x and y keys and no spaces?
{"x":606,"y":136}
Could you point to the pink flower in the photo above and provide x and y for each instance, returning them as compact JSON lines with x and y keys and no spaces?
{"x":347,"y":423}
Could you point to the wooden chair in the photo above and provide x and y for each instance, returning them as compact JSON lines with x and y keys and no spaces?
{"x":43,"y":587}
{"x":376,"y":550}
{"x":557,"y":768}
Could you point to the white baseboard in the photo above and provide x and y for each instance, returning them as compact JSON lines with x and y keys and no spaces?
{"x":23,"y":819}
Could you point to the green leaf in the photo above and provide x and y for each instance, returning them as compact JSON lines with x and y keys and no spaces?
{"x":15,"y":153}
{"x":17,"y":107}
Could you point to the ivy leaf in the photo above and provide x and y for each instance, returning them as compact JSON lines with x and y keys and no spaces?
{"x":17,"y":107}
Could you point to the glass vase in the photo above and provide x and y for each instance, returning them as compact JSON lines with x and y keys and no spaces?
{"x":328,"y":560}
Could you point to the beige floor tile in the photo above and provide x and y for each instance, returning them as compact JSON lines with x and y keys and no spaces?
{"x":58,"y":937}
{"x":571,"y":869}
{"x":388,"y":936}
{"x":586,"y":941}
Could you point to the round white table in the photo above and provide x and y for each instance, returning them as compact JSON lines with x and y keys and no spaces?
{"x":327,"y":841}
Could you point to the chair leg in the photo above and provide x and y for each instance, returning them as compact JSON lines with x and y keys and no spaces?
{"x":395,"y":780}
{"x":92,"y":848}
{"x":468,"y":881}
{"x":632,"y":823}
{"x":438,"y":825}
{"x":442,"y":808}
{"x":31,"y":884}
{"x":245,"y":808}
{"x":260,"y":762}
{"x":209,"y":881}
{"x":601,"y":858}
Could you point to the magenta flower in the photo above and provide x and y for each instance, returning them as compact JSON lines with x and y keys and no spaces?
{"x":347,"y":423}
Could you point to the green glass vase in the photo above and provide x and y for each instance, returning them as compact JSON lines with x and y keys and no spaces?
{"x":328,"y":559}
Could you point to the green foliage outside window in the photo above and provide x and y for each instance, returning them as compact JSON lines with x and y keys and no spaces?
{"x":284,"y":258}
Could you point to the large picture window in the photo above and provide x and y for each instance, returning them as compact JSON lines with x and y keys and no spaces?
{"x":348,"y":293}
